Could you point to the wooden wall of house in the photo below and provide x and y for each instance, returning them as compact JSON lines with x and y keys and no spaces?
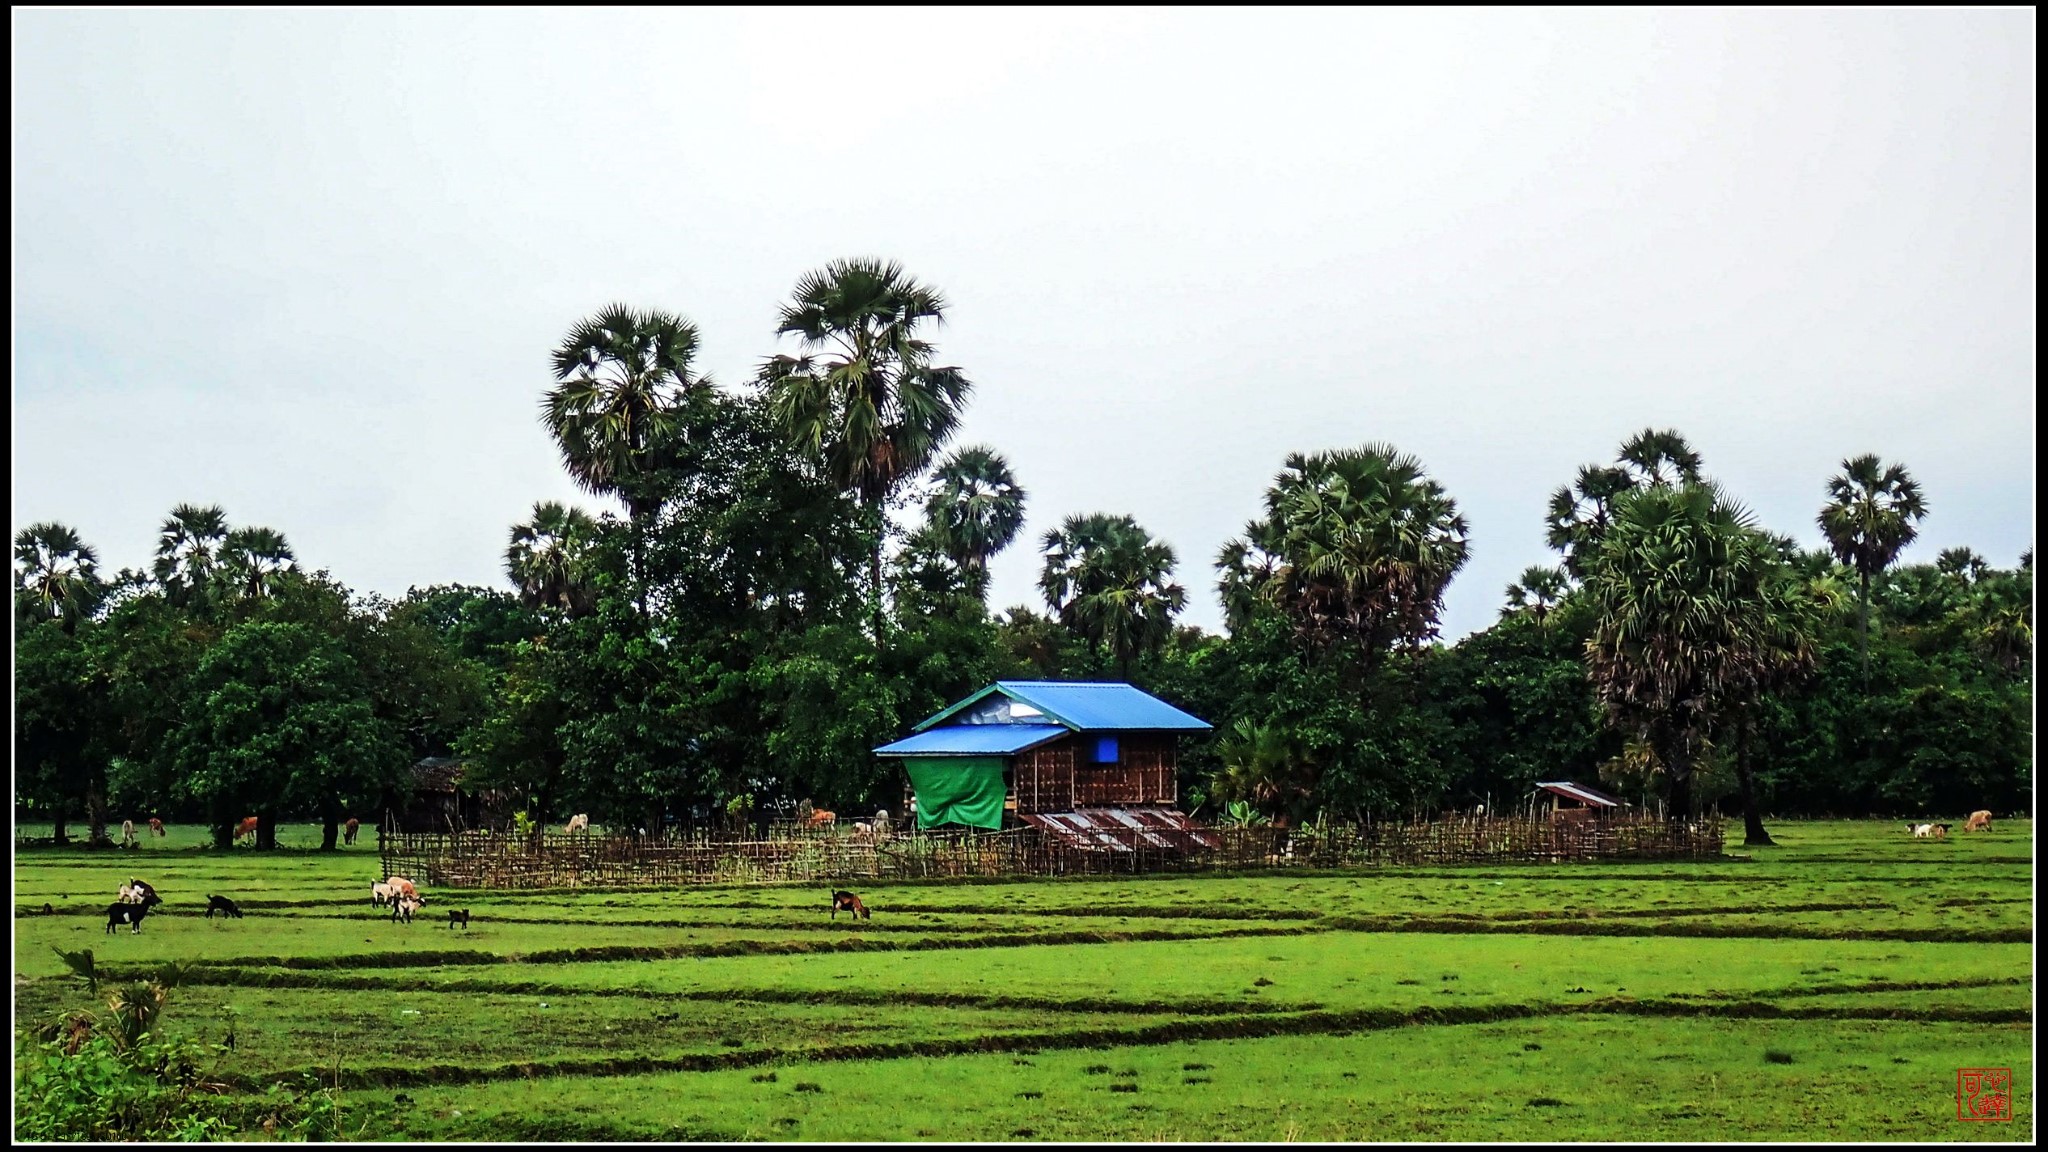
{"x":1060,"y":777}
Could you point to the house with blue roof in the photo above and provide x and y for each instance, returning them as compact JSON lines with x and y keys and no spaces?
{"x":1078,"y":759}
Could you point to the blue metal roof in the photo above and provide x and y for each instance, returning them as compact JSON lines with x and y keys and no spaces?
{"x":1086,"y":706}
{"x":973,"y":740}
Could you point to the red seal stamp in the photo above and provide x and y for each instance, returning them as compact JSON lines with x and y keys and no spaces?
{"x":1983,"y":1093}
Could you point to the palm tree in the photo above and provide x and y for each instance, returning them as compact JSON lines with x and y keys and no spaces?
{"x":1244,"y":571}
{"x":187,"y":550}
{"x":1963,"y":563}
{"x":1263,"y":765}
{"x":545,"y":558}
{"x":1360,"y":546}
{"x":1580,"y":512}
{"x":1693,"y":620}
{"x":57,"y":575}
{"x":975,"y":511}
{"x":1112,"y":584}
{"x":863,"y":394}
{"x":251,"y":559}
{"x":622,"y":377}
{"x":1868,"y":520}
{"x":1659,"y":459}
{"x":1536,"y":594}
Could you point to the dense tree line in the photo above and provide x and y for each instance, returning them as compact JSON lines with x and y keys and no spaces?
{"x":800,"y":572}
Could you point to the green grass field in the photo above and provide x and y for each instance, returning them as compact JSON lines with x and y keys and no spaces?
{"x":1825,"y":989}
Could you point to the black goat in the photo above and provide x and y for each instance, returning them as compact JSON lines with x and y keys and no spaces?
{"x":458,"y":916}
{"x":222,"y":905}
{"x":123,"y":912}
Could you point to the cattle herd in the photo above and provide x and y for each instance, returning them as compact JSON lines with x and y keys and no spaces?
{"x":1979,"y":821}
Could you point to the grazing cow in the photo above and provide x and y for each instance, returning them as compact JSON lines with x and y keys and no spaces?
{"x":348,"y":830}
{"x":404,"y":907}
{"x":821,"y":818}
{"x":222,"y":905}
{"x":246,"y":828}
{"x":128,"y":834}
{"x":123,"y":912}
{"x":847,"y":901}
{"x":403,"y":887}
{"x":1979,"y":821}
{"x":580,"y":822}
{"x":156,"y":826}
{"x":458,"y":916}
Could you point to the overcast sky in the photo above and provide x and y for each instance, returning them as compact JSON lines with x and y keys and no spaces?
{"x":309,"y":266}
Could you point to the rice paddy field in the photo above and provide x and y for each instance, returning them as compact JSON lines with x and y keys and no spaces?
{"x":1825,"y":989}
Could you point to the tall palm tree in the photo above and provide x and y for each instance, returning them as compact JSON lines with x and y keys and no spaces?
{"x":56,"y":575}
{"x":1580,"y":512}
{"x":1243,"y":572}
{"x":251,"y":559}
{"x":1112,"y":584}
{"x":975,"y":511}
{"x":1868,"y":520}
{"x":1692,"y":620}
{"x":1659,"y":459}
{"x":545,"y":558}
{"x":187,"y":551}
{"x":1360,"y":546}
{"x":1536,"y":594}
{"x":863,"y":394}
{"x":622,"y":377}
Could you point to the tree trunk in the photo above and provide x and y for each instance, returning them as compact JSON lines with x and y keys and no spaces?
{"x":266,"y":832}
{"x":1863,"y":627}
{"x":96,"y":814}
{"x":330,"y":826}
{"x":880,"y":519}
{"x":58,"y":833}
{"x":1752,"y":822}
{"x":1678,"y":768}
{"x":223,"y":833}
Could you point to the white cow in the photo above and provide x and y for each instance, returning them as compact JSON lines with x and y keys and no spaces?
{"x":580,"y":822}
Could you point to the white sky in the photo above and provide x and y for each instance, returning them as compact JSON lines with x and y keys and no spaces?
{"x":309,"y":265}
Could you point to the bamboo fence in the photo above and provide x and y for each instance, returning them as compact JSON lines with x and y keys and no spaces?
{"x":578,"y":860}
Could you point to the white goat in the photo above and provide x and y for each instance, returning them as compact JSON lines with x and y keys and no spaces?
{"x":127,"y":833}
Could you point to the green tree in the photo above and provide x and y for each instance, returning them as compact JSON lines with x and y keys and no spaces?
{"x":1868,"y":520}
{"x":281,"y":719}
{"x":187,"y":553}
{"x":1359,"y":546}
{"x":1112,"y":584}
{"x":1537,"y":594}
{"x":1264,"y":765}
{"x":622,"y":377}
{"x":1689,"y":602}
{"x":56,"y":576}
{"x":863,"y":395}
{"x":1580,"y":512}
{"x":59,"y":728}
{"x":545,"y":560}
{"x":974,"y":512}
{"x":251,"y":560}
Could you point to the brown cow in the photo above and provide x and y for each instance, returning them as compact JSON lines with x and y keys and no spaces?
{"x":1979,"y":821}
{"x":246,"y":828}
{"x":821,"y":818}
{"x":156,"y":826}
{"x":348,"y":830}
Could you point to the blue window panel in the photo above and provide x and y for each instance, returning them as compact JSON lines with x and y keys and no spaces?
{"x":1105,"y":749}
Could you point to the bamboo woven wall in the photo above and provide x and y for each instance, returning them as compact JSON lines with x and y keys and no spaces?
{"x":561,"y":860}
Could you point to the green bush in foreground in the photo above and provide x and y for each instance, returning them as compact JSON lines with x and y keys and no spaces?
{"x":111,"y":1076}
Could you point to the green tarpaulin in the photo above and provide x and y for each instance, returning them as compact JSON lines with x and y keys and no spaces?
{"x":957,"y":790}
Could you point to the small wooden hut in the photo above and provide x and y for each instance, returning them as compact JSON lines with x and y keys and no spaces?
{"x":436,"y":802}
{"x":1564,"y":800}
{"x":1094,"y":764}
